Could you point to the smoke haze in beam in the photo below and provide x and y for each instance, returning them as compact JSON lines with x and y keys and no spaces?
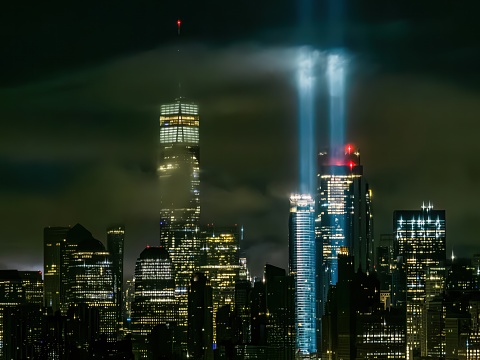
{"x":336,"y":74}
{"x":307,"y":62}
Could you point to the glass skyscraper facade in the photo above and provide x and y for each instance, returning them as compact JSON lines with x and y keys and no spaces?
{"x":91,"y":283}
{"x":154,"y":302}
{"x":221,"y":265}
{"x":420,"y":242}
{"x":344,"y":211}
{"x":178,"y":172}
{"x":302,"y":265}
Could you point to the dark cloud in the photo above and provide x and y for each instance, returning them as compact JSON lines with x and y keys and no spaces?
{"x":79,"y":141}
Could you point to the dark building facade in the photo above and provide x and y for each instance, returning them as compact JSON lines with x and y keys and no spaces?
{"x":53,"y":239}
{"x":200,"y":318}
{"x":115,"y":247}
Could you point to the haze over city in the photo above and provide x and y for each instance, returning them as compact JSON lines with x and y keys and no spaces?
{"x":81,"y":89}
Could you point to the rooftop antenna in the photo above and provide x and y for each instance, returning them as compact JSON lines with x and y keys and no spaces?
{"x":179,"y":27}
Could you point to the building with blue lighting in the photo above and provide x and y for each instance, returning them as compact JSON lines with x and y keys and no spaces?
{"x":302,"y":265}
{"x":343,"y":219}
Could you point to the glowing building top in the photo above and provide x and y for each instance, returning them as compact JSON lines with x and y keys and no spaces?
{"x":179,"y":123}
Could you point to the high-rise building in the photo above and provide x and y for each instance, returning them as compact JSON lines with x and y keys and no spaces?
{"x":220,"y":256}
{"x":12,"y":293}
{"x":33,"y":286}
{"x":74,"y":236}
{"x":178,"y":172}
{"x":53,"y":238}
{"x":343,"y":219}
{"x":90,"y":275}
{"x":344,"y":211}
{"x":154,"y":302}
{"x":280,"y":304}
{"x":115,"y":246}
{"x":421,"y":245}
{"x":200,"y":318}
{"x":302,"y":265}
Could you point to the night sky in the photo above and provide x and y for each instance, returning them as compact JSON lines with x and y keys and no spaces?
{"x":81,"y":87}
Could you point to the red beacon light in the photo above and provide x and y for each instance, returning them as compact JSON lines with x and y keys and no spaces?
{"x":351,"y":164}
{"x":179,"y":23}
{"x":348,"y":149}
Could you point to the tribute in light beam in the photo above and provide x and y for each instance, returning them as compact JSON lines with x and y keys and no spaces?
{"x":336,"y":69}
{"x":306,"y":86}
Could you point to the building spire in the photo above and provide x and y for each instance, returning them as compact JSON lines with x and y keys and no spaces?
{"x":179,"y":26}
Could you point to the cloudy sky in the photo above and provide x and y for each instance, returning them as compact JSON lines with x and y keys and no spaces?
{"x":80,"y":91}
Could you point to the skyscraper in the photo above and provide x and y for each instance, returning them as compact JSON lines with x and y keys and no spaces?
{"x":221,"y":265}
{"x":53,"y":237}
{"x":178,"y":172}
{"x":90,"y":275}
{"x":343,"y":219}
{"x":344,"y":213}
{"x":421,"y":244}
{"x":302,"y":265}
{"x":115,"y":246}
{"x":200,"y":318}
{"x":154,"y":302}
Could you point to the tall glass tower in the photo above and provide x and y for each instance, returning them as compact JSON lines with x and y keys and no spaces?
{"x":344,"y":211}
{"x":302,"y":265}
{"x":154,"y":302}
{"x":420,"y":243}
{"x":178,"y":172}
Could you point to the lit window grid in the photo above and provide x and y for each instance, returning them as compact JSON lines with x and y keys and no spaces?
{"x":222,"y":269}
{"x":179,"y":134}
{"x":421,"y":240}
{"x":334,"y":203}
{"x":302,"y":217}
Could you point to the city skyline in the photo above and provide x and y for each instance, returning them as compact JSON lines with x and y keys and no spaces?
{"x":80,"y":142}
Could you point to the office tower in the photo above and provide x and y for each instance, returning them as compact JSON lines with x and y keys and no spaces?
{"x":11,"y":294}
{"x":244,"y":273}
{"x":433,"y":328}
{"x":74,"y":236}
{"x":344,"y":211}
{"x":220,"y":254}
{"x":381,"y":335}
{"x":23,"y":326}
{"x":53,"y":238}
{"x":115,"y":246}
{"x":243,"y":323}
{"x":154,"y":302}
{"x":200,"y":318}
{"x":33,"y":287}
{"x":90,"y":275}
{"x":129,"y":299}
{"x":421,"y":245}
{"x":178,"y":173}
{"x":343,"y":219}
{"x":476,"y":271}
{"x":302,"y":267}
{"x":258,"y":314}
{"x":280,"y":304}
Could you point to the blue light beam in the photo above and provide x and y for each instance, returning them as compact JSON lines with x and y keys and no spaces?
{"x":306,"y":119}
{"x":336,"y":69}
